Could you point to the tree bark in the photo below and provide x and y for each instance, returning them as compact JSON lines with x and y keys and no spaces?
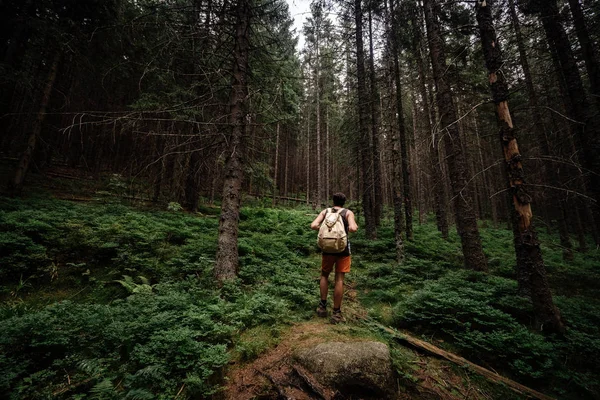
{"x":397,"y":200}
{"x":160,"y":166}
{"x":363,"y":126}
{"x":192,"y":181}
{"x":16,"y":186}
{"x":401,"y":128}
{"x":586,"y":127}
{"x":319,"y":197}
{"x":434,"y":156}
{"x":587,"y":48}
{"x":466,"y":222}
{"x":226,"y":266}
{"x":287,"y":160}
{"x":562,"y":214}
{"x":393,"y":140}
{"x":580,"y":228}
{"x":486,"y":179}
{"x":327,"y":150}
{"x":526,"y":243}
{"x":377,"y":192}
{"x":540,"y":134}
{"x":276,"y":166}
{"x":307,"y":156}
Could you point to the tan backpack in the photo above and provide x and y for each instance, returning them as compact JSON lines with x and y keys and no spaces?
{"x":332,"y":234}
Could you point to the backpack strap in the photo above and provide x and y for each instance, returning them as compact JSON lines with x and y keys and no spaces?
{"x":327,"y":211}
{"x":343,"y":212}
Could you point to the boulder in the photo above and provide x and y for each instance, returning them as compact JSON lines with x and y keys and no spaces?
{"x":357,"y":369}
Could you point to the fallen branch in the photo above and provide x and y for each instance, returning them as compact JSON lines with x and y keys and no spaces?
{"x":436,"y":351}
{"x":261,"y":195}
{"x":67,"y":176}
{"x":72,"y":386}
{"x":316,"y":388}
{"x":102,"y":197}
{"x":180,"y":390}
{"x":73,"y":198}
{"x":275,"y":384}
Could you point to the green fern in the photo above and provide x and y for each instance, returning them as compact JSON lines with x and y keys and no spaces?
{"x":151,"y":371}
{"x":91,"y":367}
{"x":139,"y":394}
{"x":128,"y":283}
{"x":103,"y":390}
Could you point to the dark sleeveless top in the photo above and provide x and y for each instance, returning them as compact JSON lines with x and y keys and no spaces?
{"x":346,"y":251}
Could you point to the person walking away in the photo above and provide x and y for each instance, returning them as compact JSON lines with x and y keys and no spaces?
{"x":340,"y":257}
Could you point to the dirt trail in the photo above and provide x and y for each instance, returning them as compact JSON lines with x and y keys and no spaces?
{"x":276,"y":375}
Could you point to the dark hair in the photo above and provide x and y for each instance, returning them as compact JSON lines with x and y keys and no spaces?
{"x":339,"y":199}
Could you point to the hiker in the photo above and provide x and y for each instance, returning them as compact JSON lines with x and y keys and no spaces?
{"x":340,"y":258}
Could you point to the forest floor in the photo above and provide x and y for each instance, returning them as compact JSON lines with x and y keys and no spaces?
{"x":276,"y":374}
{"x":103,"y":295}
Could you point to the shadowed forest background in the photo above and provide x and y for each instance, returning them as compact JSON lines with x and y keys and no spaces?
{"x":161,"y":162}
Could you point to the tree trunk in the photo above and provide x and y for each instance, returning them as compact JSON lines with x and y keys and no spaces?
{"x":16,"y":186}
{"x":397,"y":200}
{"x":540,"y":134}
{"x":401,"y":128}
{"x":251,"y":154}
{"x":525,"y":238}
{"x":213,"y":187}
{"x":319,"y":196}
{"x":160,"y":166}
{"x":307,"y":156}
{"x":580,"y":228}
{"x":13,"y":54}
{"x":377,"y":192}
{"x":327,"y":149}
{"x":486,"y":179}
{"x":466,"y":222}
{"x":287,"y":160}
{"x":587,"y":48}
{"x":563,"y":230}
{"x":396,"y":184}
{"x":226,"y":266}
{"x":191,"y":191}
{"x":276,"y":166}
{"x":586,"y":127}
{"x":434,"y":156}
{"x":363,"y":126}
{"x":562,"y":214}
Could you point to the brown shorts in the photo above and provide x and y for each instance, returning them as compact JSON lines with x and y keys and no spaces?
{"x":342,"y":263}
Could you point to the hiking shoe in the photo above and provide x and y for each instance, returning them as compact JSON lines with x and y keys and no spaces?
{"x":321,"y":311}
{"x":337,"y":317}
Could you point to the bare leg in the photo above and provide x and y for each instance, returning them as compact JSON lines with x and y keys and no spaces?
{"x":338,"y":292}
{"x":324,"y":285}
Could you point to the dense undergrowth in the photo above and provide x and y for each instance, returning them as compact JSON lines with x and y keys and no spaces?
{"x":481,"y":316}
{"x":106,"y":301}
{"x":103,"y":300}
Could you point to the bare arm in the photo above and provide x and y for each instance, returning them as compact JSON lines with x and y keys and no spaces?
{"x":352,"y":227}
{"x":317,"y":222}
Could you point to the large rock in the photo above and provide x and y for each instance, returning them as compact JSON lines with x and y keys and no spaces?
{"x":358,"y":369}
